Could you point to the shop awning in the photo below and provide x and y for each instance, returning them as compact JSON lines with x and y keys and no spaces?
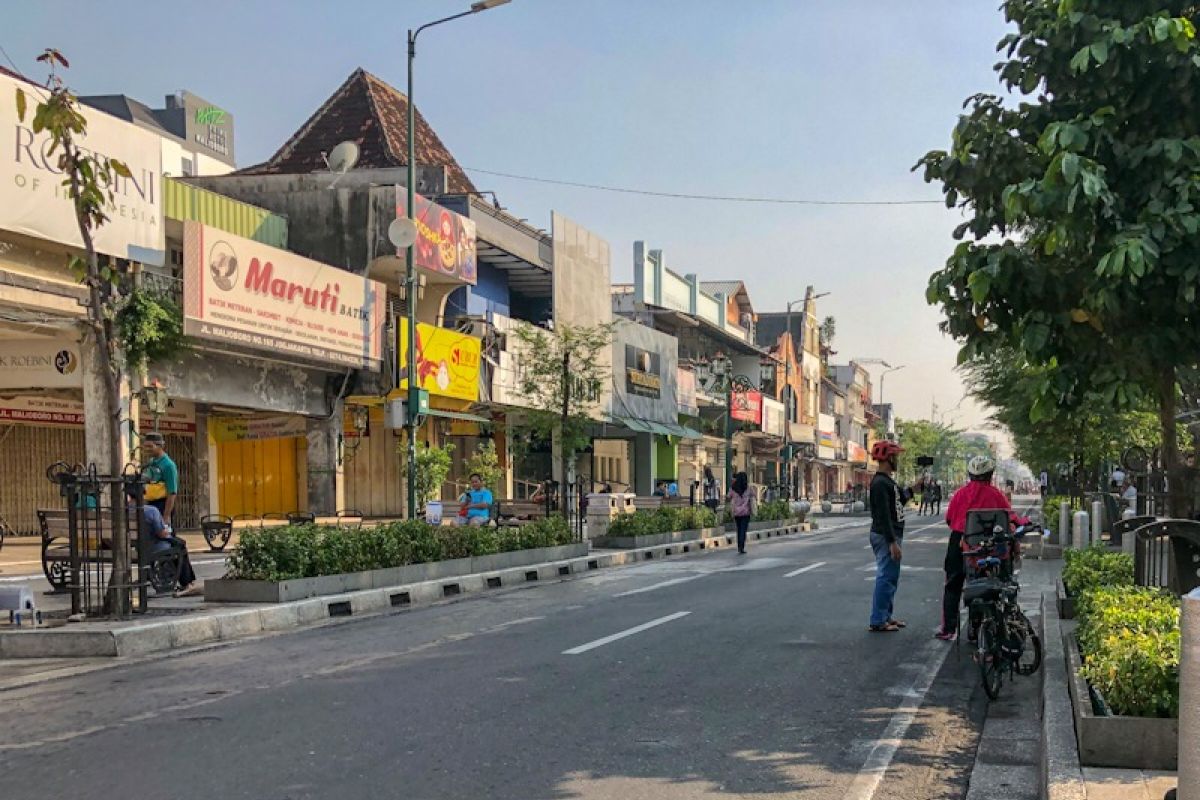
{"x":460,"y":415}
{"x":660,"y":428}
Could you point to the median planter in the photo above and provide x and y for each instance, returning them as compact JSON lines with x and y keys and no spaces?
{"x":1118,"y":741}
{"x":228,"y":590}
{"x":1065,"y":602}
{"x":654,"y":539}
{"x":764,"y":525}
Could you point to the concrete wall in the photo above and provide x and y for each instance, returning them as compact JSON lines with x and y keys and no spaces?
{"x":663,"y":408}
{"x":246,"y":382}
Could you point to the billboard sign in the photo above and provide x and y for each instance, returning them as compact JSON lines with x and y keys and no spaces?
{"x":447,"y":361}
{"x":251,"y":294}
{"x":33,"y":201}
{"x":445,"y":240}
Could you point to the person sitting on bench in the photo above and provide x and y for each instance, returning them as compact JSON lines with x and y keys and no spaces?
{"x":161,"y":538}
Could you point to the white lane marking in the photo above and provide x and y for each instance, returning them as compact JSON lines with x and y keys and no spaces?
{"x":662,"y":585}
{"x":796,"y":572}
{"x":645,"y":626}
{"x":866,"y":782}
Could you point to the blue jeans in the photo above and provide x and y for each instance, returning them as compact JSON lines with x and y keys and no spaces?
{"x":887,"y":577}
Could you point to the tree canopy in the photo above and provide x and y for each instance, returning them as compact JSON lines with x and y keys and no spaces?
{"x":1079,"y":249}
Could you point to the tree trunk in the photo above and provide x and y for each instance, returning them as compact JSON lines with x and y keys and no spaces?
{"x":118,"y":596}
{"x":1177,"y":497}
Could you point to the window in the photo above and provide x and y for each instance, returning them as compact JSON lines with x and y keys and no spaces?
{"x":187,"y":167}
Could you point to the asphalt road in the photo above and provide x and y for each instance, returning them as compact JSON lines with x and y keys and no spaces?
{"x":714,"y":675}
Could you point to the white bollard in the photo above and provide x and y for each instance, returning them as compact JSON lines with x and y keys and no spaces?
{"x":1129,"y":543}
{"x":1064,"y":525}
{"x":1189,"y":698}
{"x":1080,"y":530}
{"x":1097,"y":520}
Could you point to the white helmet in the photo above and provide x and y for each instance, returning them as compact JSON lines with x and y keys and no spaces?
{"x":980,"y":466}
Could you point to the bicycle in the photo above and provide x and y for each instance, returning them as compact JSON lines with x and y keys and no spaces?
{"x":1004,"y":638}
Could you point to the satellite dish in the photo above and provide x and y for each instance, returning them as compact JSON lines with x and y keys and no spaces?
{"x":402,"y":232}
{"x":343,"y":158}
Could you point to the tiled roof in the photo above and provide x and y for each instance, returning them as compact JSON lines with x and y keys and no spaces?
{"x":373,"y":115}
{"x":727,"y":288}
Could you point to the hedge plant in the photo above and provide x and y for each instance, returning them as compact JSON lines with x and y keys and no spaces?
{"x":1095,"y":567}
{"x":309,"y":551}
{"x":1129,"y":639}
{"x":662,"y":520}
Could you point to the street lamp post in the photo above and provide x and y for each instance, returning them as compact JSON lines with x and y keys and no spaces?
{"x":883,"y":375}
{"x":410,"y":276}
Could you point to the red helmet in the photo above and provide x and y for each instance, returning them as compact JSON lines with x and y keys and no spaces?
{"x":885,"y":450}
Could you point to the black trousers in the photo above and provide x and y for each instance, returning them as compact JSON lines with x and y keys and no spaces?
{"x":743,"y":525}
{"x":955,"y":576}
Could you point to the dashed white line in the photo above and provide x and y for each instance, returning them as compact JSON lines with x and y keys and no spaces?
{"x":645,"y":626}
{"x":662,"y":585}
{"x":796,"y":572}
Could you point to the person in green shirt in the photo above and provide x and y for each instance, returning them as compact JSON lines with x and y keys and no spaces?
{"x":161,"y":474}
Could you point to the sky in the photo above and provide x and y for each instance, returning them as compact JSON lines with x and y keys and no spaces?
{"x":772,"y":98}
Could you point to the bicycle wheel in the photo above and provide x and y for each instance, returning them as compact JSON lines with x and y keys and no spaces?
{"x":1031,"y":659}
{"x":989,"y":658}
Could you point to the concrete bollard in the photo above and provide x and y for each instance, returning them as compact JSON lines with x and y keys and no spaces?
{"x":1097,"y":520}
{"x":1129,"y":543}
{"x":1189,"y":698}
{"x":1064,"y":525}
{"x":1080,"y":530}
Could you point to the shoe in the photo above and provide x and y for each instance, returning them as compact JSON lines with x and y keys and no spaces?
{"x":741,"y":552}
{"x":886,"y":627}
{"x":899,"y":623}
{"x":189,"y":591}
{"x":945,"y":636}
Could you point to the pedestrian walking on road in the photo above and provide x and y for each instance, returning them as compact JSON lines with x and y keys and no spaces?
{"x":937,"y":498}
{"x":742,"y":505}
{"x":887,"y":534}
{"x":979,"y":493}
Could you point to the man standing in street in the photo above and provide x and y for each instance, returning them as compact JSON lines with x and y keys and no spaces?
{"x":1044,"y":483}
{"x":887,"y":534}
{"x":161,"y":474}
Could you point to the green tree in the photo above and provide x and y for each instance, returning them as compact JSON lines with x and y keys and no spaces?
{"x":949,"y":447}
{"x":433,"y":465}
{"x":89,"y":179}
{"x":1080,"y":249}
{"x":486,"y":463}
{"x":563,"y":374}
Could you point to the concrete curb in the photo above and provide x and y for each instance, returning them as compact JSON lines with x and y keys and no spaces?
{"x":161,"y":635}
{"x":1061,"y":773}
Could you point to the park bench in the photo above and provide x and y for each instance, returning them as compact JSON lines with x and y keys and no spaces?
{"x":517,"y":512}
{"x":162,"y":572}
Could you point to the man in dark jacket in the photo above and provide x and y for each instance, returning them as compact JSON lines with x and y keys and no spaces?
{"x":887,"y":502}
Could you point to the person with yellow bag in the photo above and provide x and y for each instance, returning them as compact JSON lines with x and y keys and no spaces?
{"x":161,"y":475}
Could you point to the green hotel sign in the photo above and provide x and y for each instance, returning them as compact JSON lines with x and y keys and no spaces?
{"x":210,"y":116}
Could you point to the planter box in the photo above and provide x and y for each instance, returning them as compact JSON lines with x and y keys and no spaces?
{"x":1065,"y":602}
{"x":766,"y":525}
{"x":1127,"y":742}
{"x":654,"y":539}
{"x":239,"y":591}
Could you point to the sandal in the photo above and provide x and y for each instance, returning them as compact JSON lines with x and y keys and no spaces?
{"x":887,"y":627}
{"x":899,"y":623}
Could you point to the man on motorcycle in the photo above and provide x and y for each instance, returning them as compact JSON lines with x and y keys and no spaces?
{"x":979,"y":493}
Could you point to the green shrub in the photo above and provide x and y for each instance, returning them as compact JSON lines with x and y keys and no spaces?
{"x":309,"y":551}
{"x":1095,"y":567}
{"x":662,"y":520}
{"x":1050,"y":510}
{"x":1129,"y":640}
{"x":774,"y":510}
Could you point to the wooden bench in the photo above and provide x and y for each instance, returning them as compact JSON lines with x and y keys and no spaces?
{"x":162,"y":571}
{"x":517,"y":512}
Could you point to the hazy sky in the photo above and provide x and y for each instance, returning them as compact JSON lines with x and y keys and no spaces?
{"x":799,"y":99}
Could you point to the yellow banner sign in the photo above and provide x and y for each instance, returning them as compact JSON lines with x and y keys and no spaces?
{"x":447,"y":361}
{"x":239,"y":429}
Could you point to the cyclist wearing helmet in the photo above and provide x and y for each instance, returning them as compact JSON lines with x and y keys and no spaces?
{"x":887,"y":533}
{"x":979,"y":493}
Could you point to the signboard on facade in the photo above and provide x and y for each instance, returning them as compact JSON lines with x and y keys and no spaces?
{"x":747,"y":406}
{"x":246,"y":293}
{"x":445,"y":240}
{"x":856,"y":453}
{"x":180,"y":418}
{"x":41,"y":411}
{"x":447,"y":361}
{"x":826,"y":436}
{"x":40,"y":364}
{"x":33,"y":201}
{"x":249,"y":429}
{"x":208,"y":125}
{"x":772,"y":417}
{"x":685,"y":383}
{"x":642,"y":372}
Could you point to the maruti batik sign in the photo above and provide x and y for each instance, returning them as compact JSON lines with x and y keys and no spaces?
{"x":34,"y":202}
{"x":242,"y":292}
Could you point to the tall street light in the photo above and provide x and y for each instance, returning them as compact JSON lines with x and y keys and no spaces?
{"x":788,"y":394}
{"x":410,"y":276}
{"x":883,"y":375}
